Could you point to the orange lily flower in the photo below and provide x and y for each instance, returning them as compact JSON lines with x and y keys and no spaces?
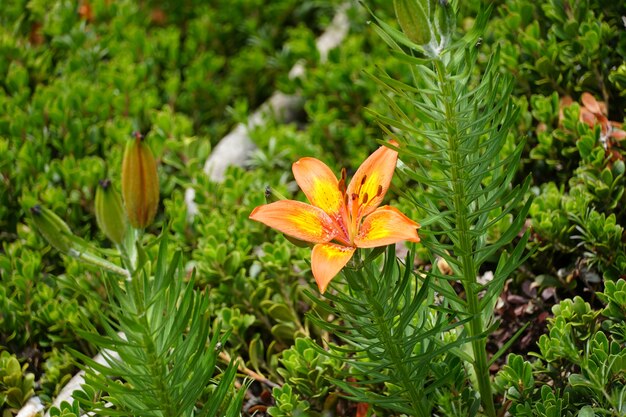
{"x":339,"y":220}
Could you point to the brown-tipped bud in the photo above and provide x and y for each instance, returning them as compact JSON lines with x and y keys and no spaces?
{"x":109,"y":212}
{"x":52,"y":228}
{"x":140,"y":183}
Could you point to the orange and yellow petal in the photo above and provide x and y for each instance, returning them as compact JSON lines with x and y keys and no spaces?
{"x":319,"y":184}
{"x":327,"y":260}
{"x":371,"y":181}
{"x":386,"y":226}
{"x":296,"y":219}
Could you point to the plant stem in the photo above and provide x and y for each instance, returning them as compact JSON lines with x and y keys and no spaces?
{"x":99,"y":262}
{"x":398,"y":358}
{"x":224,"y":356}
{"x":155,"y":366}
{"x":464,"y":249}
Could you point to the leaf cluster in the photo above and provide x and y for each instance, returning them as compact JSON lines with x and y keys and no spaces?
{"x":584,"y":363}
{"x":16,"y":385}
{"x":389,"y":337}
{"x":158,"y":354}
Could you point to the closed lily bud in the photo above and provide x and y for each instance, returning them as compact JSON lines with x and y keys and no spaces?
{"x":140,"y":183}
{"x":109,"y":212}
{"x":413,"y":17}
{"x":52,"y":227}
{"x":445,"y":19}
{"x":428,"y":23}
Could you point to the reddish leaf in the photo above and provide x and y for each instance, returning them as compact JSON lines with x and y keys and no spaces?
{"x":361,"y":409}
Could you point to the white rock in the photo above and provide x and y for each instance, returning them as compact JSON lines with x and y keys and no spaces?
{"x":32,"y":408}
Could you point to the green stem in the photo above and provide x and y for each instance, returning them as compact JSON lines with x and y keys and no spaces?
{"x":97,"y":261}
{"x":392,"y":347}
{"x":469,"y":270}
{"x":155,"y":366}
{"x":158,"y":371}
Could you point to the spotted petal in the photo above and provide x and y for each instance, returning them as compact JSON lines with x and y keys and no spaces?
{"x":371,"y":181}
{"x":296,"y":219}
{"x":319,"y":184}
{"x":386,"y":226}
{"x":327,"y":260}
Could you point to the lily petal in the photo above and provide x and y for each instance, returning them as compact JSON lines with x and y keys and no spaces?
{"x":327,"y":259}
{"x":371,"y":181}
{"x":319,"y":184}
{"x":386,"y":226}
{"x":296,"y":219}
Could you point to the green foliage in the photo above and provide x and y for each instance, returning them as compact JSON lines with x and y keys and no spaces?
{"x":16,"y":385}
{"x":558,"y":52}
{"x":557,"y":45}
{"x":586,"y":367}
{"x":46,"y":310}
{"x":390,"y":336}
{"x":160,"y":345}
{"x":577,"y":214}
{"x":58,"y":368}
{"x":288,"y":404}
{"x":614,"y":297}
{"x":517,"y":377}
{"x":66,"y":410}
{"x":73,"y":87}
{"x":454,"y":130}
{"x":307,"y":370}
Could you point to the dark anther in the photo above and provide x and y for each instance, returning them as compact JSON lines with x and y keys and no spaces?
{"x":343,"y":174}
{"x":105,"y":184}
{"x":379,"y":192}
{"x":355,"y":196}
{"x":365,"y":198}
{"x":342,"y":186}
{"x":363,"y":180}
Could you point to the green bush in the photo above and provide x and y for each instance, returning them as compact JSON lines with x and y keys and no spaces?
{"x":16,"y":385}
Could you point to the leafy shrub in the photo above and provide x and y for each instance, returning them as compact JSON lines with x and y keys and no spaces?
{"x":585,"y":365}
{"x":16,"y":385}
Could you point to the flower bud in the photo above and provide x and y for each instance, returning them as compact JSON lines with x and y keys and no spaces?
{"x":428,"y":23}
{"x":413,"y":17}
{"x":109,"y":212}
{"x":52,"y":227}
{"x":140,"y":183}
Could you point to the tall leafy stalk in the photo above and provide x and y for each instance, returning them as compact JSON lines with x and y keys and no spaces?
{"x":464,"y":246}
{"x":454,"y":124}
{"x":452,"y":121}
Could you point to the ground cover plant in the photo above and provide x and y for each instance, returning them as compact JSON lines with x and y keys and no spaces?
{"x":487,"y":278}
